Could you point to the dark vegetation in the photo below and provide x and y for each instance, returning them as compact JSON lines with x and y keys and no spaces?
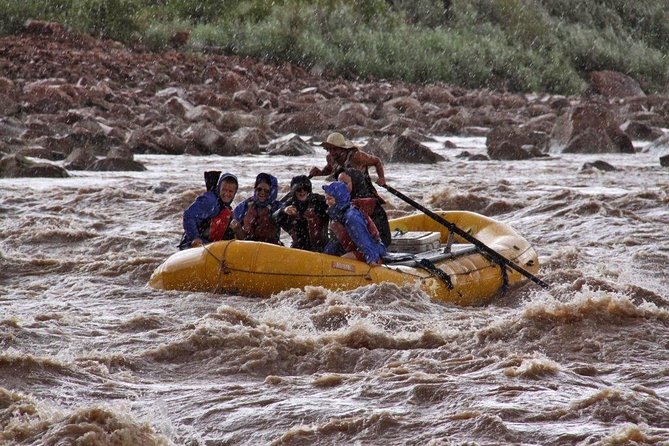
{"x":516,"y":45}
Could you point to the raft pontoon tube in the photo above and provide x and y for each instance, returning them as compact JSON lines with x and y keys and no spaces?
{"x":455,"y":272}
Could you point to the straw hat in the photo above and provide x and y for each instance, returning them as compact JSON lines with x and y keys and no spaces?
{"x":337,"y":140}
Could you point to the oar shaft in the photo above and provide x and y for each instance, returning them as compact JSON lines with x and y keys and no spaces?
{"x":453,"y":228}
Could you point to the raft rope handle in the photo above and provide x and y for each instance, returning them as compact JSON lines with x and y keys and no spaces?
{"x":430,"y":267}
{"x":223,"y":268}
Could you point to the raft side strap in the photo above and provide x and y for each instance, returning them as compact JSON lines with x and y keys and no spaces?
{"x":432,"y":269}
{"x":505,"y":277}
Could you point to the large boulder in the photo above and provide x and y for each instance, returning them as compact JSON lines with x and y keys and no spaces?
{"x":664,"y":160}
{"x":589,"y":123}
{"x":209,"y":140}
{"x":117,"y":164}
{"x":614,"y":85}
{"x":641,"y":130}
{"x":507,"y":142}
{"x":17,"y":166}
{"x":80,"y":159}
{"x":248,"y":140}
{"x":406,"y":149}
{"x":290,"y":145}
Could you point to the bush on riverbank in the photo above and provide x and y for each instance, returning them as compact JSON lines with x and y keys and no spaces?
{"x":520,"y":45}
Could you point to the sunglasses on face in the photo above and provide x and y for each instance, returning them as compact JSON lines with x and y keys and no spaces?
{"x":262,"y":189}
{"x":301,"y":189}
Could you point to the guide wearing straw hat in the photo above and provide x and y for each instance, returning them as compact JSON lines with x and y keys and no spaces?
{"x":342,"y":154}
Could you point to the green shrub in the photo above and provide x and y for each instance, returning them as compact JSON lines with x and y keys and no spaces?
{"x":520,"y":45}
{"x":106,"y":18}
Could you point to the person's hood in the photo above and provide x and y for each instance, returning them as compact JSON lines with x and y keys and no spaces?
{"x":227,"y":177}
{"x":340,"y":192}
{"x":300,"y":181}
{"x":273,"y":187}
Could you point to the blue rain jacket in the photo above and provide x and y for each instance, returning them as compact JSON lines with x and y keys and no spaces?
{"x":354,"y":222}
{"x":197,"y":216}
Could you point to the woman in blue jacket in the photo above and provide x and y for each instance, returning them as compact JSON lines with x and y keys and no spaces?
{"x":208,"y":218}
{"x":356,"y":234}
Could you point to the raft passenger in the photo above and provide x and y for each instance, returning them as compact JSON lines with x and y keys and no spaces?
{"x":253,"y":217}
{"x":356,"y":235}
{"x":208,"y":218}
{"x":343,"y":154}
{"x":366,"y":200}
{"x":304,"y":216}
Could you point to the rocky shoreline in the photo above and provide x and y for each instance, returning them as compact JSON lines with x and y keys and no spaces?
{"x":94,"y":104}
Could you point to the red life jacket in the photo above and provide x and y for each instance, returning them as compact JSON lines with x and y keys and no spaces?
{"x":365,"y":204}
{"x":219,"y":224}
{"x":345,"y":240}
{"x":259,"y":225}
{"x":318,"y":229}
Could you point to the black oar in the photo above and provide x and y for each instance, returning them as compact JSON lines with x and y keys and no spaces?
{"x":451,"y":227}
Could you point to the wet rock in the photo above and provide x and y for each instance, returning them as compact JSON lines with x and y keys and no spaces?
{"x":590,"y":127}
{"x":203,"y":113}
{"x":590,"y":141}
{"x":11,"y":128}
{"x":178,"y":106}
{"x":209,"y":140}
{"x":409,"y":150}
{"x":36,"y":151}
{"x":248,"y":140}
{"x":514,"y":143}
{"x":142,"y":141}
{"x":18,"y":166}
{"x":614,"y":84}
{"x":349,"y":116}
{"x":508,"y":151}
{"x":542,"y":123}
{"x":436,"y":94}
{"x":444,"y":126}
{"x":246,"y":98}
{"x":290,"y":145}
{"x":116,"y":165}
{"x":405,"y":105}
{"x":380,"y":147}
{"x":664,"y":160}
{"x":8,"y":87}
{"x":659,"y":145}
{"x":230,"y":121}
{"x":171,"y":144}
{"x":8,"y":106}
{"x":641,"y":130}
{"x":300,"y":122}
{"x":80,"y":159}
{"x":599,"y":165}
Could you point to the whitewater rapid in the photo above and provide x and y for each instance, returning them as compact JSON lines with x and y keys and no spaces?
{"x":87,"y":350}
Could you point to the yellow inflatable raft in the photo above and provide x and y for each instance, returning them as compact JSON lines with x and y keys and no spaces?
{"x":455,"y":271}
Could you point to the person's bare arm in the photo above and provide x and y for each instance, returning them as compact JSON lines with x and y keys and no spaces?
{"x":364,"y":159}
{"x":327,"y":170}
